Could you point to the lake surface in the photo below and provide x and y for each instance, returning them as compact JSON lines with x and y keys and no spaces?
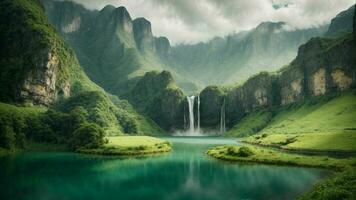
{"x":184,"y":174}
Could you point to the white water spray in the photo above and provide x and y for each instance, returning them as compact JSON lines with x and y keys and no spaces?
{"x":190,"y":100}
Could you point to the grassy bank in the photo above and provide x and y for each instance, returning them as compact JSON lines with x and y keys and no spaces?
{"x":329,"y":114}
{"x":340,"y":186}
{"x":268,"y":156}
{"x":331,"y":141}
{"x":131,"y":146}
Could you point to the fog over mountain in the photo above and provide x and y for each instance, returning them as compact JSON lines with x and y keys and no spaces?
{"x":187,"y":21}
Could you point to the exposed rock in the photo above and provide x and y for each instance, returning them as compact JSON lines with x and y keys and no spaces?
{"x":322,"y":66}
{"x":341,"y":80}
{"x":318,"y":82}
{"x":72,"y":26}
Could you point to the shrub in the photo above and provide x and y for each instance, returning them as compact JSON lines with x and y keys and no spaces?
{"x":88,"y":135}
{"x":264,"y":135}
{"x":239,"y":151}
{"x":233,"y":150}
{"x":245,"y":152}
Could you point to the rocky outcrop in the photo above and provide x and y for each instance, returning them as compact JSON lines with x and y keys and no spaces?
{"x":40,"y":86}
{"x":35,"y":63}
{"x":143,"y":35}
{"x":211,"y":98}
{"x":157,"y":96}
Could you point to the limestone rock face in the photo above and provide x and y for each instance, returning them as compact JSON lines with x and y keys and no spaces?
{"x":258,"y":92}
{"x":322,"y":66}
{"x":40,"y":86}
{"x":341,"y":80}
{"x":318,"y":82}
{"x":291,"y":85}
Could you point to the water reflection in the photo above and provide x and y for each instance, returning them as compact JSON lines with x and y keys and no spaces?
{"x":186,"y":173}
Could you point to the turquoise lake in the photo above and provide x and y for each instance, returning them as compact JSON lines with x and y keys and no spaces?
{"x":186,"y":173}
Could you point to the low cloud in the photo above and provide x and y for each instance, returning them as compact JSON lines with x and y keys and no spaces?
{"x":187,"y":21}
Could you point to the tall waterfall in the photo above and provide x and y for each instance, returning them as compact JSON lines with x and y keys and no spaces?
{"x":198,"y":128}
{"x":191,"y":113}
{"x":222,"y":118}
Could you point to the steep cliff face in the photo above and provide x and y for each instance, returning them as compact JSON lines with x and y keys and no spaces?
{"x":323,"y":66}
{"x":212,"y":99}
{"x":143,"y":35}
{"x":35,"y":63}
{"x":40,"y":86}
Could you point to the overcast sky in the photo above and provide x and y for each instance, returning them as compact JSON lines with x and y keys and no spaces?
{"x":191,"y":21}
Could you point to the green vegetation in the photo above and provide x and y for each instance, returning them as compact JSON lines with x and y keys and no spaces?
{"x":319,"y":124}
{"x":340,"y":186}
{"x":269,"y":156}
{"x":130,"y":146}
{"x":239,"y":151}
{"x":316,"y":116}
{"x":338,"y":141}
{"x":158,"y":96}
{"x":87,"y":136}
{"x":250,"y":124}
{"x":14,"y":124}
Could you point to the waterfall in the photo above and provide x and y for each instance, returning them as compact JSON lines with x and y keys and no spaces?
{"x":222,"y":118}
{"x":191,"y":113}
{"x":198,"y":126}
{"x":184,"y":119}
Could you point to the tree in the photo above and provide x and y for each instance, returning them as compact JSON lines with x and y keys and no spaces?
{"x":88,"y":135}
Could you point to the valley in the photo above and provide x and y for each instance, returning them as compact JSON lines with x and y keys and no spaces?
{"x":93,"y":105}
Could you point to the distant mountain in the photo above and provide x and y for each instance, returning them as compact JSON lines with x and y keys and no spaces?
{"x":342,"y":23}
{"x":234,"y":58}
{"x":114,"y":50}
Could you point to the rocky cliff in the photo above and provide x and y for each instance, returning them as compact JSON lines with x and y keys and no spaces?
{"x":36,"y":65}
{"x":323,"y":66}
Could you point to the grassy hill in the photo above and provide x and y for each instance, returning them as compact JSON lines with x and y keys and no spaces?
{"x":323,"y":123}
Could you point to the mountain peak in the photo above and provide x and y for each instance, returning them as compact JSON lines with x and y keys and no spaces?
{"x":143,"y":34}
{"x":270,"y":25}
{"x":108,"y":8}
